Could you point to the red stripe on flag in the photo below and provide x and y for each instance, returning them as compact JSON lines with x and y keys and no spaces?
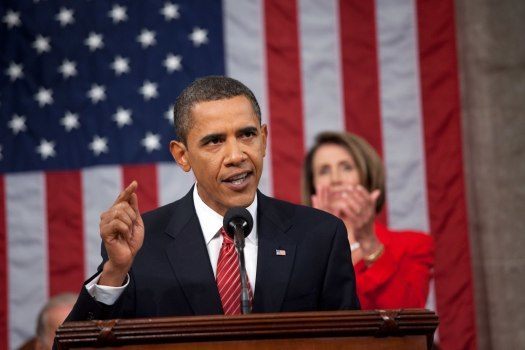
{"x":445,"y":181}
{"x":146,"y":176}
{"x":284,"y":95}
{"x":357,"y":20}
{"x":65,"y":231}
{"x":3,"y":269}
{"x":360,"y":70}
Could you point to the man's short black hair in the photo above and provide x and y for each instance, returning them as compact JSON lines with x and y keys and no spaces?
{"x":209,"y":88}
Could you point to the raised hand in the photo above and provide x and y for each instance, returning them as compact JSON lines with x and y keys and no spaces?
{"x":122,"y":231}
{"x":321,"y":200}
{"x":356,"y":206}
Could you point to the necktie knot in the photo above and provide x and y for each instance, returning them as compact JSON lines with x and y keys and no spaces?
{"x":226,"y":238}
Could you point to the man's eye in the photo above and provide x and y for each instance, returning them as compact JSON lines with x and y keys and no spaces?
{"x":214,"y":141}
{"x":248,"y":134}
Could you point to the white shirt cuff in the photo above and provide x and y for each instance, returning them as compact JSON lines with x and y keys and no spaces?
{"x":105,"y":294}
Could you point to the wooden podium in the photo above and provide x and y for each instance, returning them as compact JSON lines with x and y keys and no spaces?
{"x":382,"y":329}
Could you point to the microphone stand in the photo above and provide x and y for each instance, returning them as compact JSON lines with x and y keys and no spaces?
{"x":245,"y":294}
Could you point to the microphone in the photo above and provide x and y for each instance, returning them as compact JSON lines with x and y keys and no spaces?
{"x":238,"y":223}
{"x":238,"y":218}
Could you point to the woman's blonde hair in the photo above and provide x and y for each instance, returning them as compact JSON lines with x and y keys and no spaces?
{"x":369,"y":165}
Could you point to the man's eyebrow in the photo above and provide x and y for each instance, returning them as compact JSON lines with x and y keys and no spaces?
{"x":247,"y":129}
{"x":205,"y":139}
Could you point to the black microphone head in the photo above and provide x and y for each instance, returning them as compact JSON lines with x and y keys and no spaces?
{"x":238,"y":216}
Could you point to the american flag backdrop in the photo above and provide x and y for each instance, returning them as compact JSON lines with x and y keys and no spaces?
{"x":86,"y":92}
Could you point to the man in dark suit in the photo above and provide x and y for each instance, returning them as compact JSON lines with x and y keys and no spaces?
{"x":165,"y":262}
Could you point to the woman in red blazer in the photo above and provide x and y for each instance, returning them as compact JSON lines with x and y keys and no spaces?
{"x":344,"y":175}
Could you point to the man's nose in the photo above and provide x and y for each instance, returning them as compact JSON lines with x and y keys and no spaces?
{"x":234,"y":153}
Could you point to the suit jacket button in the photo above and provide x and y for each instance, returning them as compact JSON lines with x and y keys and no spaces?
{"x":90,"y":316}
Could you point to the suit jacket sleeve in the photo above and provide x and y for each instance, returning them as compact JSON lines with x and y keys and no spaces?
{"x":339,"y":287}
{"x":87,"y":308}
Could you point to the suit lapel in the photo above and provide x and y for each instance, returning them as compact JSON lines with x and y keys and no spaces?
{"x":189,"y":260}
{"x":275,"y":256}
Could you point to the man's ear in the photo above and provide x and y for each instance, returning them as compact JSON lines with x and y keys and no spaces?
{"x":180,"y":154}
{"x":264,"y":134}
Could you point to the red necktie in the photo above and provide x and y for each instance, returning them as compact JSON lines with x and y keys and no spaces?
{"x":229,"y":277}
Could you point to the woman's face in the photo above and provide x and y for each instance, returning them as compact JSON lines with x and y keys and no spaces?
{"x":334,"y":167}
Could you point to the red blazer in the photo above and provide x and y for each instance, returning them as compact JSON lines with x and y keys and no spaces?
{"x":401,"y":275}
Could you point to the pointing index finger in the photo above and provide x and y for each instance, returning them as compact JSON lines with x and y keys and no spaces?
{"x":125,"y":195}
{"x":134,"y":202}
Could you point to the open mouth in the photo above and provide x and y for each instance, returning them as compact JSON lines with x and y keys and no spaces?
{"x":239,"y":179}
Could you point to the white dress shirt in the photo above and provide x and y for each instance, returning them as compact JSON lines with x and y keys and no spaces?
{"x":211,"y":223}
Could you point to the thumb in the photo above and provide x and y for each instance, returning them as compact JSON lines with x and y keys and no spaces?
{"x":375,"y":195}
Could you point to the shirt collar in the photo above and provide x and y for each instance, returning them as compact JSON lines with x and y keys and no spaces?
{"x":211,"y":221}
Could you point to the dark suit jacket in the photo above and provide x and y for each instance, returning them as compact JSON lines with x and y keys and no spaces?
{"x":172,"y":275}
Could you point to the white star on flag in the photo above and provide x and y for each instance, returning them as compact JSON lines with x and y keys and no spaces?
{"x":172,"y":63}
{"x":199,"y":36}
{"x":149,"y":90}
{"x":41,"y":44}
{"x":46,"y":149}
{"x":1,"y":155}
{"x":122,"y":117}
{"x":94,"y":41}
{"x":170,"y":11}
{"x":151,"y":142}
{"x":120,"y":65}
{"x":97,"y":93}
{"x":12,"y":19}
{"x":14,"y":71}
{"x":118,"y":14}
{"x":65,"y":16}
{"x":68,"y":69}
{"x":99,"y":145}
{"x":17,"y":124}
{"x":70,"y":121}
{"x":44,"y":97}
{"x":169,"y":115}
{"x":146,"y":38}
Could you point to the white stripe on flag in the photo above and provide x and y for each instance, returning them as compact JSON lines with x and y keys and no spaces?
{"x":246,"y":61}
{"x":27,"y":251}
{"x":173,"y":182}
{"x":402,"y":119}
{"x":401,"y":115}
{"x":321,"y":68}
{"x":100,"y":187}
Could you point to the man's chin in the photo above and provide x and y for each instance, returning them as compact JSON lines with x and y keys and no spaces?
{"x":243,"y":199}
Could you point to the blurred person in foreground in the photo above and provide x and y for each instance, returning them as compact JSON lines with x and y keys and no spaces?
{"x":49,"y":319}
{"x":344,"y":175}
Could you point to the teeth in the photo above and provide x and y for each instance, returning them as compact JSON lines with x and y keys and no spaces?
{"x":238,"y":179}
{"x":238,"y":182}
